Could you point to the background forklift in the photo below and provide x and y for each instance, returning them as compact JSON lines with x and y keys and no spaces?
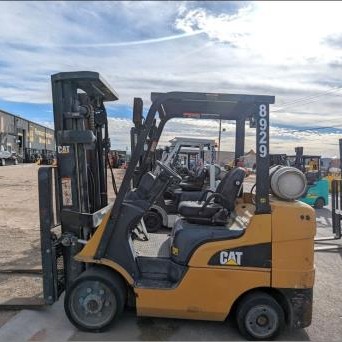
{"x":247,"y":255}
{"x":187,"y":152}
{"x":279,"y":159}
{"x":193,"y":186}
{"x":317,"y":194}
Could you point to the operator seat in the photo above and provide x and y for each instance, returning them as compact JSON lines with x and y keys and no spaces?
{"x":219,"y":205}
{"x":194,"y":182}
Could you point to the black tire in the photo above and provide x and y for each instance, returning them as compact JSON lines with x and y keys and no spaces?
{"x":319,"y":203}
{"x":259,"y":306}
{"x":153,"y":221}
{"x":101,"y":308}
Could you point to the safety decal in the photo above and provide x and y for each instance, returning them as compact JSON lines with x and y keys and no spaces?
{"x":175,"y":250}
{"x":66,"y":191}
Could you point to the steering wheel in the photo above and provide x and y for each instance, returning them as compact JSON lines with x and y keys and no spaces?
{"x":168,"y":170}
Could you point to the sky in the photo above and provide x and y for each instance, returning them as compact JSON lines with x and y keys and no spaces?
{"x":292,"y":50}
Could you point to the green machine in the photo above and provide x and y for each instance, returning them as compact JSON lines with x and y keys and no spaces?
{"x":317,"y":194}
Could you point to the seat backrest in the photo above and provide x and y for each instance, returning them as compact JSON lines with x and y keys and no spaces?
{"x":146,"y":185}
{"x":200,"y":172}
{"x":143,"y":191}
{"x":230,"y":186}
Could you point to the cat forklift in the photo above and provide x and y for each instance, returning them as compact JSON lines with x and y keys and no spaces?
{"x":247,"y":255}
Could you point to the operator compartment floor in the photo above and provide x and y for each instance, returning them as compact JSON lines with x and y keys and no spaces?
{"x":158,"y":245}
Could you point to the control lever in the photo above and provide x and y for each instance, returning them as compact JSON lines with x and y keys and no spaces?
{"x":141,"y":230}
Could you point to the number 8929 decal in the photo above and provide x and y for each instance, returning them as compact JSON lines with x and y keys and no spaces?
{"x":262,"y":131}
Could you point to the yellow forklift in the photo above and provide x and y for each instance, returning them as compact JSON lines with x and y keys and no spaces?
{"x":233,"y":253}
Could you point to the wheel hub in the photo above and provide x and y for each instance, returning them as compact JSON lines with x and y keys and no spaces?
{"x":92,"y":304}
{"x":261,"y":321}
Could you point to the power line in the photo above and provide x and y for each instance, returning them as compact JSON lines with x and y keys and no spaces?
{"x":316,"y":128}
{"x":307,"y":99}
{"x":326,"y":92}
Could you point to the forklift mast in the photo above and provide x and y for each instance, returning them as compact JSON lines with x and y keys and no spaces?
{"x":136,"y":131}
{"x":137,"y":120}
{"x":79,"y":187}
{"x":82,"y":140}
{"x":298,"y":160}
{"x":146,"y":162}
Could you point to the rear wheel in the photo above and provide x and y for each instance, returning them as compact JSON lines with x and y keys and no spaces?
{"x":3,"y":162}
{"x":319,"y":203}
{"x":153,"y":221}
{"x":95,"y":299}
{"x":260,"y":317}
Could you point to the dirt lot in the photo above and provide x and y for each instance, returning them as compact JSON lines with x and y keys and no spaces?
{"x":20,"y":248}
{"x":19,"y":230}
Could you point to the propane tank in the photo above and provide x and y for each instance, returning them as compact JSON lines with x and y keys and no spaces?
{"x":287,"y":182}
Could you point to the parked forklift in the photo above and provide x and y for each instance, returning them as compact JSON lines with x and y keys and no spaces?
{"x":317,"y":194}
{"x":246,"y":255}
{"x":194,"y":185}
{"x":279,"y":159}
{"x":7,"y":156}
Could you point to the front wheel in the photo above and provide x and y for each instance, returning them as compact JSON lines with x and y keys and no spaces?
{"x":319,"y":203}
{"x":260,"y":317}
{"x":95,"y":299}
{"x":153,"y":221}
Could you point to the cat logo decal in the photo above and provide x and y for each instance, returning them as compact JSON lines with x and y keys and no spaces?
{"x":231,"y":258}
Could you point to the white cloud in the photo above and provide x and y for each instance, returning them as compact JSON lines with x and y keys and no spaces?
{"x":275,"y":31}
{"x":281,"y":140}
{"x":276,"y":48}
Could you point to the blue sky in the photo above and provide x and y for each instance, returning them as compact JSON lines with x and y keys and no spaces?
{"x":288,"y":49}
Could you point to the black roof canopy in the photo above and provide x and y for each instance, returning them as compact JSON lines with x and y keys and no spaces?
{"x":89,"y":81}
{"x":209,"y":105}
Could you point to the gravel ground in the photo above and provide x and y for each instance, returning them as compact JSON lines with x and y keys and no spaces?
{"x":19,"y":228}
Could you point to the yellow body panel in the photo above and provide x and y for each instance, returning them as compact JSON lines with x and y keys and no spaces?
{"x":204,"y":293}
{"x":208,"y":291}
{"x":293,"y":232}
{"x":90,"y":248}
{"x":88,"y":252}
{"x":258,"y":230}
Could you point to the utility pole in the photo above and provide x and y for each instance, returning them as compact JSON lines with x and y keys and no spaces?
{"x":219,"y":144}
{"x":340,"y":143}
